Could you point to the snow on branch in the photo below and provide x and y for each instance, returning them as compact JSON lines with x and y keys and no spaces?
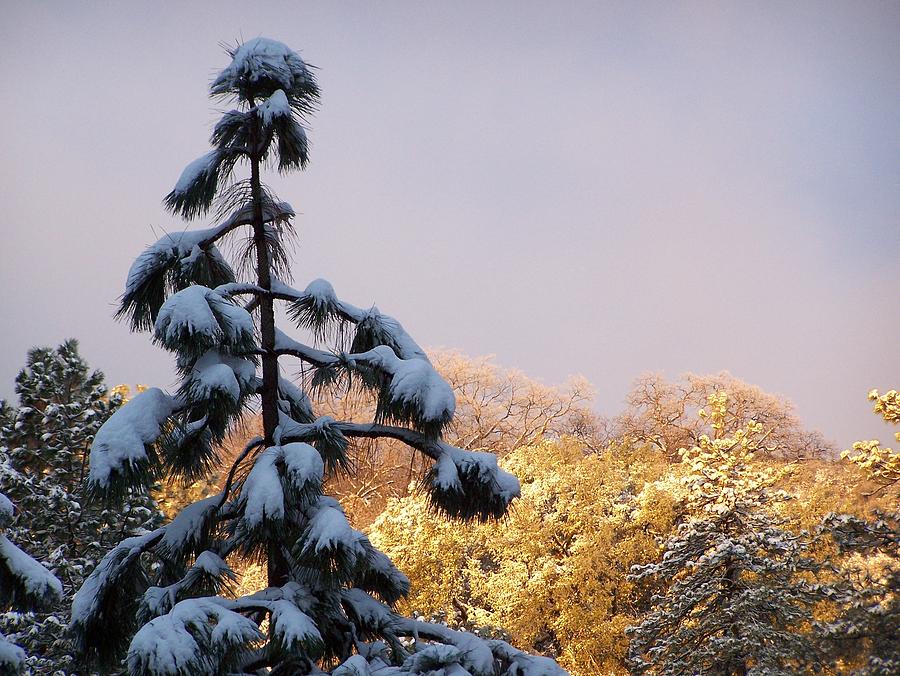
{"x":261,"y":498}
{"x":12,"y":657}
{"x":197,"y":319}
{"x":209,"y":574}
{"x":190,"y":531}
{"x":216,"y":374}
{"x":123,"y":446}
{"x":304,"y":469}
{"x":104,"y":609}
{"x":410,"y":391}
{"x":274,"y":107}
{"x":470,"y":484}
{"x":294,"y":402}
{"x":319,"y":310}
{"x":179,"y":259}
{"x":330,"y":541}
{"x":24,"y":583}
{"x":196,"y":188}
{"x":294,"y":630}
{"x":198,"y":636}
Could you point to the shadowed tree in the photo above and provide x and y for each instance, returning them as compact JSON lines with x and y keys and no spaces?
{"x":329,"y":595}
{"x":44,"y":445}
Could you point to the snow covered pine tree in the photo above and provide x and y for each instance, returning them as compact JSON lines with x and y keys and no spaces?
{"x":733,"y":598}
{"x":330,"y":591}
{"x":44,"y":445}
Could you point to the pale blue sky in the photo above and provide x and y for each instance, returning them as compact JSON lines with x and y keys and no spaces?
{"x":594,"y":188}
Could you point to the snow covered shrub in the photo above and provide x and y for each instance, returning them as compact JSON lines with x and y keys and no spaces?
{"x":161,"y":598}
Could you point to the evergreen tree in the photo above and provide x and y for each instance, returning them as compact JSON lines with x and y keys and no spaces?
{"x":329,"y":595}
{"x":732,"y":597}
{"x":44,"y":446}
{"x":863,"y":635}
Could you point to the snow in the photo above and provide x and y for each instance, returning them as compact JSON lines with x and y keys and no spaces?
{"x":121,"y":441}
{"x":477,"y":656}
{"x":446,"y":475}
{"x":38,"y":582}
{"x":237,"y":324}
{"x":322,"y":293}
{"x":200,"y":311}
{"x":261,"y":494}
{"x":295,"y":396}
{"x":209,"y":376}
{"x":7,"y":511}
{"x":303,"y":465}
{"x":414,"y":382}
{"x":11,"y":656}
{"x":329,"y":530}
{"x":486,"y":468}
{"x":191,"y":639}
{"x":275,"y":106}
{"x":227,"y":374}
{"x":292,"y":627}
{"x":354,"y":666}
{"x":523,"y":664}
{"x":431,"y":658}
{"x":262,"y":59}
{"x":371,"y":613}
{"x":406,"y":347}
{"x":187,"y":311}
{"x":195,"y":169}
{"x":84,"y":605}
{"x":187,"y":526}
{"x":212,"y":564}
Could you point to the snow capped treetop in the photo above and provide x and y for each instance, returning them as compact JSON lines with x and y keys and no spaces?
{"x":261,"y":66}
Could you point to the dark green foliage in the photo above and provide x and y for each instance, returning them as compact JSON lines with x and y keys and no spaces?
{"x":868,"y":621}
{"x":101,"y":636}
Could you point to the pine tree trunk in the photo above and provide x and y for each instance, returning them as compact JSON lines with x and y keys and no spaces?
{"x":276,"y":568}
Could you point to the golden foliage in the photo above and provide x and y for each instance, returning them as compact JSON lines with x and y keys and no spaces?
{"x":881,"y":464}
{"x":554,"y":573}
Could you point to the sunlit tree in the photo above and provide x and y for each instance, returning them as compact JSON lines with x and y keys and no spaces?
{"x":881,"y":463}
{"x":731,"y":596}
{"x":554,"y":572}
{"x":664,"y":413}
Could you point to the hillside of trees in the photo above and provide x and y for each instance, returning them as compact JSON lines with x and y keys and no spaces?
{"x":595,"y":562}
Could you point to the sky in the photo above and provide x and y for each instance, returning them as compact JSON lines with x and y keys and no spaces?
{"x":602,"y":189}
